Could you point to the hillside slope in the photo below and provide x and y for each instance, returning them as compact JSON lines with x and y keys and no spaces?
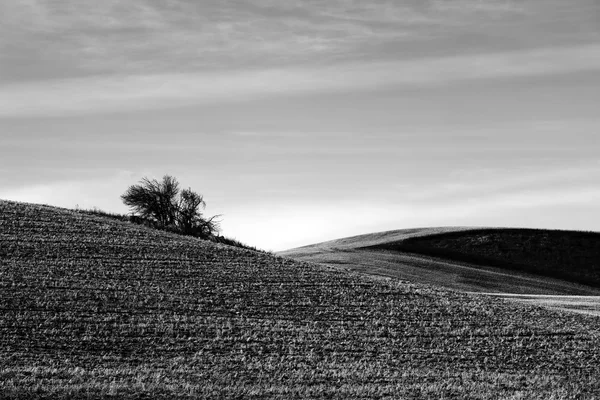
{"x":569,"y":255}
{"x":435,"y":256}
{"x":91,"y":307}
{"x":370,"y":239}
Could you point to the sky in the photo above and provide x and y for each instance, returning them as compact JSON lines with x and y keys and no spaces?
{"x":303,"y":121}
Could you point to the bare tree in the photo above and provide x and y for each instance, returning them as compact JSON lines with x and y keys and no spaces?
{"x":190,"y":219}
{"x":164,"y":204}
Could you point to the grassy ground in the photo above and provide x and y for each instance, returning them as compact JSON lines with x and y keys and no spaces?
{"x":93,"y":307}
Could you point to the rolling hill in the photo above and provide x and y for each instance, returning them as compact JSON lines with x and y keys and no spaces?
{"x":518,"y":261}
{"x":93,"y":307}
{"x":568,"y":255}
{"x":556,"y":269}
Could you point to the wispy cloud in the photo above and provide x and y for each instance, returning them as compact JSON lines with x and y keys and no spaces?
{"x":470,"y":6}
{"x":107,"y":94}
{"x":540,"y":186}
{"x":42,"y":39}
{"x":141,"y":36}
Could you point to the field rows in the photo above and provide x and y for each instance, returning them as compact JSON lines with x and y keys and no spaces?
{"x":96,"y":307}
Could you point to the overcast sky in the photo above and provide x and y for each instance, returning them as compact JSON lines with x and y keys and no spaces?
{"x":302,"y":121}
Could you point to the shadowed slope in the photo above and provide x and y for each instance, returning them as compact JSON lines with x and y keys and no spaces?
{"x":569,"y":255}
{"x":94,"y":307}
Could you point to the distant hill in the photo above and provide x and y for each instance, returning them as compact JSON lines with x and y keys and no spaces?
{"x":497,"y":260}
{"x":568,"y":255}
{"x":94,"y":307}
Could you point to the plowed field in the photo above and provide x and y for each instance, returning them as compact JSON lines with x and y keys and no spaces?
{"x":91,"y":307}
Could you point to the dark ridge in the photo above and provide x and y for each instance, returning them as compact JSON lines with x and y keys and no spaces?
{"x":570,"y":255}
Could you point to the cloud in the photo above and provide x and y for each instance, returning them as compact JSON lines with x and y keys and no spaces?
{"x":108,"y":94}
{"x":489,"y":6}
{"x":51,"y":39}
{"x":504,"y":183}
{"x":42,"y":39}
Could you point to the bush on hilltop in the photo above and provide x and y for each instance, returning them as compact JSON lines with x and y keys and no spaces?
{"x":164,"y":205}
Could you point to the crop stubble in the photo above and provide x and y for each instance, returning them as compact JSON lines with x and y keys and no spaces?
{"x":94,"y":307}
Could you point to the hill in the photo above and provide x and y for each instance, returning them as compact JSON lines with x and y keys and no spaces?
{"x":491,"y":260}
{"x":93,"y":307}
{"x":568,"y":255}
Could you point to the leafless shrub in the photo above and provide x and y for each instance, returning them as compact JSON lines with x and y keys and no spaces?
{"x":168,"y":207}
